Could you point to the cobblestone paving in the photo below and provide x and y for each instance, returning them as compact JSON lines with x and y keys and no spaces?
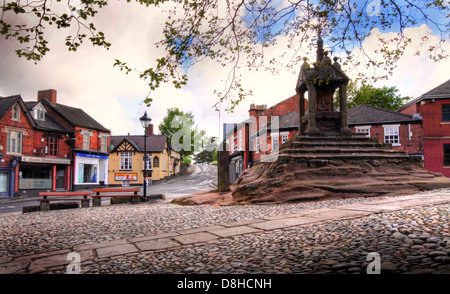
{"x":407,"y":240}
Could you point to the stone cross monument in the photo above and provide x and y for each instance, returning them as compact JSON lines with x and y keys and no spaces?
{"x":321,"y":81}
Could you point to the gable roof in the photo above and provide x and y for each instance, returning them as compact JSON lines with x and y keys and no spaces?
{"x":76,"y":116}
{"x":7,"y":102}
{"x":439,"y":92}
{"x":49,"y":124}
{"x":366,"y":114}
{"x":155,"y":143}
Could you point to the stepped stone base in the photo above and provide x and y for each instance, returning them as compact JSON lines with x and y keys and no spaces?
{"x":333,"y":165}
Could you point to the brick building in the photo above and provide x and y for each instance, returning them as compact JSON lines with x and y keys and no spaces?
{"x":90,"y":142}
{"x":42,"y":146}
{"x":403,"y":131}
{"x":421,"y":128}
{"x":261,"y":134}
{"x":434,"y":108}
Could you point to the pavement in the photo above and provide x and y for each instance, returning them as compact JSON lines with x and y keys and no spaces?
{"x":174,"y":240}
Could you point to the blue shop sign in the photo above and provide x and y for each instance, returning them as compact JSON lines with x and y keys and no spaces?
{"x":92,"y":155}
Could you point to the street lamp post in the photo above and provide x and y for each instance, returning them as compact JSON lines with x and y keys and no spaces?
{"x":145,"y":122}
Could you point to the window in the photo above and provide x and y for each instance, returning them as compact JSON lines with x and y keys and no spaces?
{"x":126,"y":160}
{"x":284,"y":137}
{"x":275,"y":141}
{"x":446,"y":154}
{"x":87,"y":173}
{"x":156,"y":161}
{"x":103,"y":144}
{"x":86,"y":140}
{"x":148,"y":162}
{"x":39,"y":114}
{"x":257,"y":145}
{"x":240,"y":141}
{"x":363,"y":130}
{"x":52,"y":146}
{"x":15,"y":112}
{"x":446,"y":112}
{"x":391,"y":135}
{"x":14,"y":142}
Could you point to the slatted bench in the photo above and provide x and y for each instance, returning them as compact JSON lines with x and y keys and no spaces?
{"x":96,"y":199}
{"x":63,"y":196}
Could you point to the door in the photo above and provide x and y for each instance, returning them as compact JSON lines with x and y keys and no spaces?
{"x":60,"y":177}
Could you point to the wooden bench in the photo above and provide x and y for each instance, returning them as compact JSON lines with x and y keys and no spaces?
{"x":63,"y":196}
{"x":96,"y":201}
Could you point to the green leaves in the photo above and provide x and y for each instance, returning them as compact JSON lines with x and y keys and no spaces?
{"x":39,"y":16}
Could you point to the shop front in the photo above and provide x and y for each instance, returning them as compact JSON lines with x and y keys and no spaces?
{"x":90,"y":170}
{"x":38,"y":174}
{"x":7,"y":176}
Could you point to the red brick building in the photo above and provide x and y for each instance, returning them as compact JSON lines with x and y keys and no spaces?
{"x":421,"y":128}
{"x":40,"y":145}
{"x":434,"y":108}
{"x":403,"y":131}
{"x":261,"y":134}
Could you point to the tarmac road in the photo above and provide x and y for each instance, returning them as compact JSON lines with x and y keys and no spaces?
{"x":202,"y":177}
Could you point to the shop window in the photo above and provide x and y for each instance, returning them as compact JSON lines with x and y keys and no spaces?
{"x":446,"y":154}
{"x":87,"y":173}
{"x":156,"y":161}
{"x":4,"y":182}
{"x":35,"y":177}
{"x":126,"y":160}
{"x":14,"y":142}
{"x":52,"y":146}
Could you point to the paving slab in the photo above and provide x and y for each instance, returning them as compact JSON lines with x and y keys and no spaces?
{"x":121,"y":249}
{"x":243,"y":222}
{"x":95,"y":245}
{"x":333,"y":213}
{"x":14,"y":267}
{"x":232,"y":231}
{"x":195,"y":238}
{"x":50,"y":261}
{"x":283,"y":223}
{"x":197,"y":230}
{"x":153,"y":237}
{"x":156,"y":244}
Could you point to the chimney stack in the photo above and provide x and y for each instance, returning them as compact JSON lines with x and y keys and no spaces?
{"x":149,"y":130}
{"x":49,"y":95}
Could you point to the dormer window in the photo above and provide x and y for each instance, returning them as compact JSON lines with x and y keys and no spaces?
{"x":39,"y":112}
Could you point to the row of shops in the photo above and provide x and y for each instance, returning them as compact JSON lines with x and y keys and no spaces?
{"x":46,"y":146}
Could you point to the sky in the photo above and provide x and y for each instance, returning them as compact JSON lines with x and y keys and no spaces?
{"x":86,"y":78}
